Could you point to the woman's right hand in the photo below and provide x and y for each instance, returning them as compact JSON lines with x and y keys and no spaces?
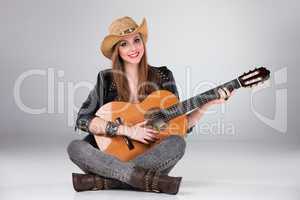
{"x":141,"y":133}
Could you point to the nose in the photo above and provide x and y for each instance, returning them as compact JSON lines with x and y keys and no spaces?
{"x":132,"y":48}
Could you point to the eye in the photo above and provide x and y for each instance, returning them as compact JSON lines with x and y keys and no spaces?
{"x":123,"y":44}
{"x":137,"y":40}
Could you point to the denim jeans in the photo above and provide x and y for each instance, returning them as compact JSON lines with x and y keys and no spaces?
{"x":162,"y":157}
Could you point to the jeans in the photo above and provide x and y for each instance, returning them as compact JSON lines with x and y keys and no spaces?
{"x":162,"y":157}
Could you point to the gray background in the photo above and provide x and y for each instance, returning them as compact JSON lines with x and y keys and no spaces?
{"x":215,"y":40}
{"x":212,"y":41}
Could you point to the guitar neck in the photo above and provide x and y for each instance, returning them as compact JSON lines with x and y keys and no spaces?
{"x":197,"y":101}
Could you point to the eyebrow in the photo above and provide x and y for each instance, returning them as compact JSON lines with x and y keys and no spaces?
{"x":135,"y":37}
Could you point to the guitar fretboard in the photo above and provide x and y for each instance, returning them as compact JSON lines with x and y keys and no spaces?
{"x":196,"y":101}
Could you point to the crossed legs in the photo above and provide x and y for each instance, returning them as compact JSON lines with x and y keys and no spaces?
{"x":162,"y":157}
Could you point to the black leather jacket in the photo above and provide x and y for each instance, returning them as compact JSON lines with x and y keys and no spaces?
{"x":105,"y":91}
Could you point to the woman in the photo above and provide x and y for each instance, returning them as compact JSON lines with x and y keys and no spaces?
{"x":125,"y":46}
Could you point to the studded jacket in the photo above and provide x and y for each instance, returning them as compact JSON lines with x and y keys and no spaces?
{"x":105,"y":91}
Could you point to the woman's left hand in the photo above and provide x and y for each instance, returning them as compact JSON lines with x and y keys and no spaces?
{"x":223,"y":95}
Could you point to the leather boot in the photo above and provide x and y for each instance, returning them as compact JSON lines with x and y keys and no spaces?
{"x":153,"y":181}
{"x":84,"y":182}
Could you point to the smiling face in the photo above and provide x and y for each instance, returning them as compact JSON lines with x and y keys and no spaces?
{"x":131,"y":48}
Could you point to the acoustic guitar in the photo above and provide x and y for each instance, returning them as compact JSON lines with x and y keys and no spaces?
{"x":164,"y":113}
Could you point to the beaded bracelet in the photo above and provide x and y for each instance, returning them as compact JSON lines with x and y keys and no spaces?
{"x":111,"y":128}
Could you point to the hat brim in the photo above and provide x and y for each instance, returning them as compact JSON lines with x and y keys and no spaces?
{"x":111,"y":40}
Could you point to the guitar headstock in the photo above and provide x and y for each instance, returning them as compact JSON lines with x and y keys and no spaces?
{"x":254,"y":77}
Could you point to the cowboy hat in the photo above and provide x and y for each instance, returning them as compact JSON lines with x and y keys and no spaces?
{"x":119,"y":28}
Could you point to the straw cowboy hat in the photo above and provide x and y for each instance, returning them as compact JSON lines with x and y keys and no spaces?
{"x":122,"y":27}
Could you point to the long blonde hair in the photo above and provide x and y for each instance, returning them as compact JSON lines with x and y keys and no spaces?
{"x":147,"y":81}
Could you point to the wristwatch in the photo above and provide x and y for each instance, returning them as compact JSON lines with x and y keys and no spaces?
{"x":111,"y":128}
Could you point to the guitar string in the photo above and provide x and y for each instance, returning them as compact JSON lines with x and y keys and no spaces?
{"x":160,"y":115}
{"x":201,"y":99}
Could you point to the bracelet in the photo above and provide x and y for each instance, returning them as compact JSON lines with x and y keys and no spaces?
{"x":111,"y":128}
{"x":84,"y":124}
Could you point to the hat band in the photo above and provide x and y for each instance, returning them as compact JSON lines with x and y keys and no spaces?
{"x":129,"y":30}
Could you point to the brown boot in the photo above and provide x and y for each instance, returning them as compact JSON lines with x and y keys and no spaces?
{"x":84,"y":182}
{"x":153,"y":181}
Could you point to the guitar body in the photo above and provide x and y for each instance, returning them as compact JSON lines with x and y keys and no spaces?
{"x":133,"y":113}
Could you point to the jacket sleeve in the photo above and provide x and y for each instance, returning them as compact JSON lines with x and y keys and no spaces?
{"x":90,"y":106}
{"x":170,"y":84}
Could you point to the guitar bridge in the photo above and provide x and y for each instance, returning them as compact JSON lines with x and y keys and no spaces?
{"x":126,"y":139}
